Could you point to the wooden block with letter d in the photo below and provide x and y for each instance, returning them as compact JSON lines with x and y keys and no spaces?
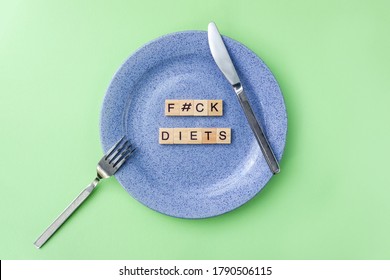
{"x":195,"y":136}
{"x":166,"y":136}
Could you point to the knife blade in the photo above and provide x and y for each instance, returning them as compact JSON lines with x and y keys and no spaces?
{"x":224,"y":62}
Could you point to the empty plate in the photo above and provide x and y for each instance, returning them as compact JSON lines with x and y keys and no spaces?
{"x":191,"y":181}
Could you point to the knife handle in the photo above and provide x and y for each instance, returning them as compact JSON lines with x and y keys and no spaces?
{"x":257,"y":130}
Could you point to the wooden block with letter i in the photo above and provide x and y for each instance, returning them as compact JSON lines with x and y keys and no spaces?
{"x":180,"y":135}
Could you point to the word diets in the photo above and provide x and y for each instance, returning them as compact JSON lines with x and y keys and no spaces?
{"x":195,"y":136}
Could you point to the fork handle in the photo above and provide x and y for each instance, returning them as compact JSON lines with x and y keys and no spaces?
{"x":65,"y":214}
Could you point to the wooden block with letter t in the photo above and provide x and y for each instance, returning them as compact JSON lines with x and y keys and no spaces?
{"x":209,"y":135}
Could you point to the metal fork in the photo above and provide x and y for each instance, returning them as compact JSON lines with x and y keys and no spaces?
{"x":107,"y":166}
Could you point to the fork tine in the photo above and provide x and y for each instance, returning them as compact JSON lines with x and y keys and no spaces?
{"x":120,"y":152}
{"x":121,"y":155}
{"x":117,"y":152}
{"x":122,"y":161}
{"x":113,"y":148}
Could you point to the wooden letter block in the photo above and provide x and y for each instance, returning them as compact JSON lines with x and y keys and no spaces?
{"x":172,"y":107}
{"x":180,"y":135}
{"x":186,"y":107}
{"x":215,"y":107}
{"x":195,"y":136}
{"x":166,"y":136}
{"x":209,"y":135}
{"x":201,"y":108}
{"x":223,"y":135}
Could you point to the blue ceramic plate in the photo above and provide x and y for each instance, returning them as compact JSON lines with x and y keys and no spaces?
{"x":191,"y":181}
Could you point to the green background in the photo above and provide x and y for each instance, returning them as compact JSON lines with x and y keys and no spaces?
{"x":331,"y":200}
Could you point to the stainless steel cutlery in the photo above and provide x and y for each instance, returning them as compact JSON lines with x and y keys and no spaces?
{"x":225,"y":64}
{"x":107,"y":166}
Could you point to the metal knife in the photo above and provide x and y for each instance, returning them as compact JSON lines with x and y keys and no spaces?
{"x":225,"y":64}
